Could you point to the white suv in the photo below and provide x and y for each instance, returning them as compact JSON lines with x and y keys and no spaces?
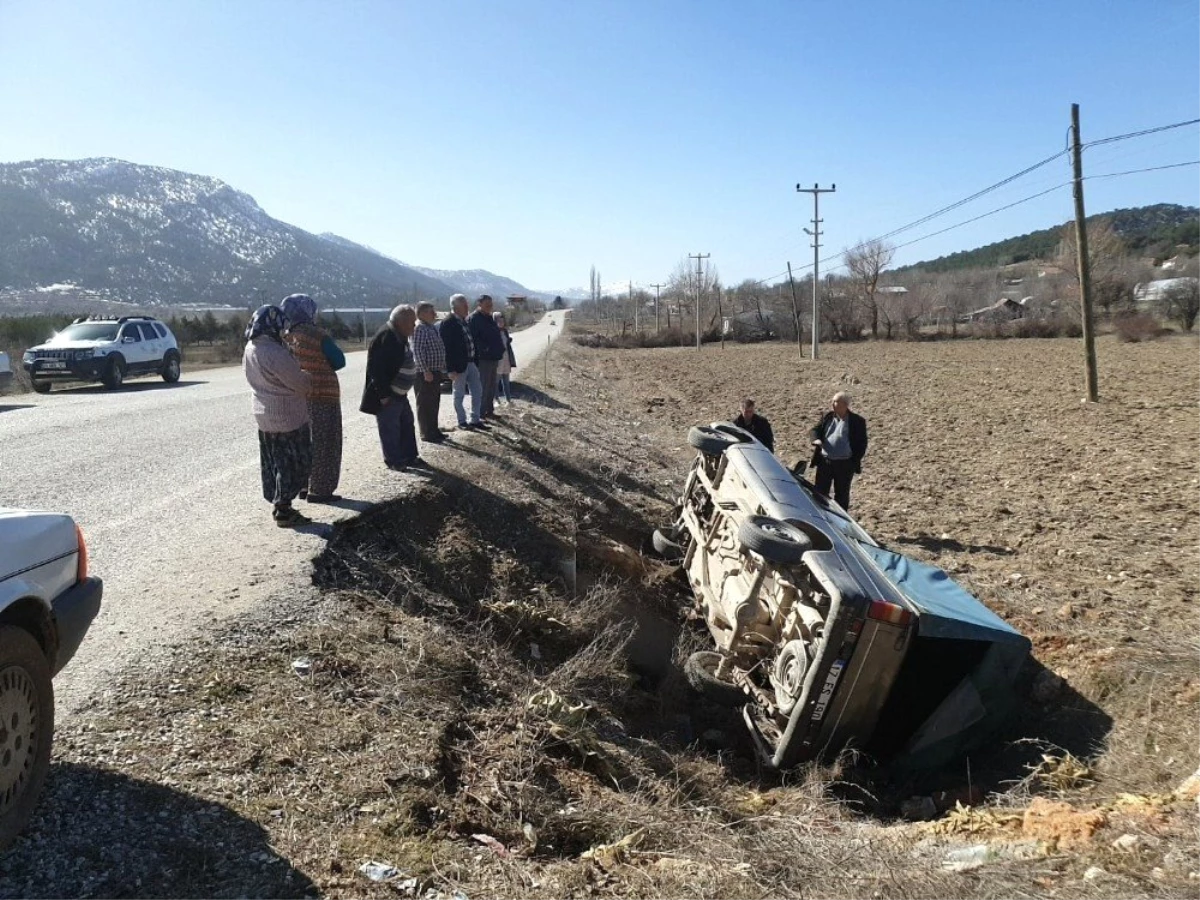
{"x":105,"y":349}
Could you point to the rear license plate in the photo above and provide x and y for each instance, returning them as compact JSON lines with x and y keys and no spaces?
{"x":831,"y":680}
{"x":54,"y":364}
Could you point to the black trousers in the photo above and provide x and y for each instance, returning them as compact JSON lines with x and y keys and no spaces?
{"x":839,"y":473}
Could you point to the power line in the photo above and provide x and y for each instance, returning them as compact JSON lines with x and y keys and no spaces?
{"x":1133,"y":134}
{"x":1194,"y":162}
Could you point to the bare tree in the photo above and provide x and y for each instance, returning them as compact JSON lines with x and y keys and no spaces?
{"x":1110,"y":265}
{"x":594,"y":291}
{"x":865,"y":263}
{"x":1180,"y":303}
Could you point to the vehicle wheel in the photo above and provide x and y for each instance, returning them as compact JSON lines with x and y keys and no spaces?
{"x":701,"y":672}
{"x":773,"y":540}
{"x":41,"y":385}
{"x":171,"y":369}
{"x":665,"y":547}
{"x":26,"y":728}
{"x":114,"y":373}
{"x":710,"y":440}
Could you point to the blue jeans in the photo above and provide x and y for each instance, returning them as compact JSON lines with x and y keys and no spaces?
{"x":465,"y":380}
{"x":397,"y":435}
{"x":504,"y":388}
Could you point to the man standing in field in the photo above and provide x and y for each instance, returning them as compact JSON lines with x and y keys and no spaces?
{"x":839,"y":445}
{"x":489,"y":347}
{"x":430,"y":355}
{"x":756,"y":425}
{"x":391,"y":372}
{"x":460,"y":363}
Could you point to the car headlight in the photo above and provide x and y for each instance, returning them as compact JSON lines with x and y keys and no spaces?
{"x":29,"y":356}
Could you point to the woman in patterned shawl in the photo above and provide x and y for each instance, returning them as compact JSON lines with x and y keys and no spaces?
{"x":279,"y":390}
{"x":320,"y":357}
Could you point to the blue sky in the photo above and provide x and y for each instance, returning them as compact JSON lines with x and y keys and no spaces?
{"x":535,"y":139}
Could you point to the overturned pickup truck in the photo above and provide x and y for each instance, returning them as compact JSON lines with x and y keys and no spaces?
{"x":825,"y":638}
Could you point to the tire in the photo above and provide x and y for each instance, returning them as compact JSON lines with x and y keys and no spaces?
{"x":114,"y":373}
{"x":171,"y":368}
{"x":26,"y":728}
{"x":41,"y":385}
{"x":701,"y":672}
{"x":709,"y":440}
{"x":665,"y":547}
{"x":775,"y":541}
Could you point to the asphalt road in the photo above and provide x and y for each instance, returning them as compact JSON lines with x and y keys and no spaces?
{"x":164,"y":481}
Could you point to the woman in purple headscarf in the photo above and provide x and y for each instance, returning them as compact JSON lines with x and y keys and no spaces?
{"x":320,"y":357}
{"x":279,"y":389}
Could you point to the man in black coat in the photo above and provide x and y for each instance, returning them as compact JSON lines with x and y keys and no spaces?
{"x":756,"y":425}
{"x":839,"y":445}
{"x":460,"y":363}
{"x":489,"y":347}
{"x":391,"y":373}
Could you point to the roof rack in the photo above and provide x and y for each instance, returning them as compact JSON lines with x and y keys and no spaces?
{"x":118,"y":319}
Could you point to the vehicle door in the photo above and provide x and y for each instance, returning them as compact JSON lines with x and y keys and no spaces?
{"x":133,"y":348}
{"x":155,"y":345}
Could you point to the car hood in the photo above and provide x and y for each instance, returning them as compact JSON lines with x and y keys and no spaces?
{"x":71,"y":345}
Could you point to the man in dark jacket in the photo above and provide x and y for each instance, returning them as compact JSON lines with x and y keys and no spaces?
{"x":460,"y":362}
{"x":756,"y":425}
{"x":391,"y":373}
{"x":839,"y":445}
{"x":489,"y":347}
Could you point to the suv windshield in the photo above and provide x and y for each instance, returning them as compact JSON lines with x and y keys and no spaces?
{"x":87,"y":331}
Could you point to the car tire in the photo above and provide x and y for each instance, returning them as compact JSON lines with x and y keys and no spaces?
{"x":26,"y":729}
{"x":40,"y":385}
{"x":701,"y":673}
{"x":114,"y":373}
{"x":775,"y":541}
{"x":709,"y":440}
{"x":171,"y":368}
{"x":665,"y":547}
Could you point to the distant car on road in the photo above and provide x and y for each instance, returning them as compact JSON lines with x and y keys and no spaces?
{"x":108,"y":350}
{"x":6,"y":373}
{"x":47,"y":603}
{"x":823,"y":637}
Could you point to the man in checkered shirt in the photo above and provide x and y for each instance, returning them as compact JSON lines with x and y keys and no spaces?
{"x":430,"y":355}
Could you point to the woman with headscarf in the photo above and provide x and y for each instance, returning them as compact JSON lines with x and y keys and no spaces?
{"x":507,"y":363}
{"x":320,"y":357}
{"x":279,"y":389}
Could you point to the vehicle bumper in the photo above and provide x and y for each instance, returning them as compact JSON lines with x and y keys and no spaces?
{"x":75,"y":370}
{"x":74,"y":610}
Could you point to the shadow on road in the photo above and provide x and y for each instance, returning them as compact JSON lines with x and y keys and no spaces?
{"x":98,"y":833}
{"x":10,"y":407}
{"x":129,"y":387}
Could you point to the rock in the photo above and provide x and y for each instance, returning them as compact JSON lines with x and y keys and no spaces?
{"x":302,"y":666}
{"x":1066,"y":611}
{"x":379,"y":871}
{"x":1093,"y":873}
{"x":918,"y":809}
{"x":1046,"y":686}
{"x":1126,"y":842}
{"x":966,"y":858}
{"x":1190,"y":788}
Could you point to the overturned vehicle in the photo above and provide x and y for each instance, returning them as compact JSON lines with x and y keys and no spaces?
{"x":825,"y":638}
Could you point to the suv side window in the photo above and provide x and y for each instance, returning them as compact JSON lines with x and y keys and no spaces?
{"x":130,"y":331}
{"x":162,"y":332}
{"x":148,"y":332}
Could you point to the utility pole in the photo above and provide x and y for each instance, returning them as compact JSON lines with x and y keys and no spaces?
{"x":1081,"y":248}
{"x":656,"y":289}
{"x":795,"y":313}
{"x":697,"y":257}
{"x":364,"y":323}
{"x":816,"y":236}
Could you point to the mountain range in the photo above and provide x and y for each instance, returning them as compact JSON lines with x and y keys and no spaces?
{"x":94,"y":230}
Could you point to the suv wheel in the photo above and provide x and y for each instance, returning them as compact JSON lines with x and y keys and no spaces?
{"x":710,"y":440}
{"x":41,"y":385}
{"x":26,"y":728}
{"x":775,"y":541}
{"x":114,"y":372}
{"x":701,"y":672}
{"x":170,"y":369}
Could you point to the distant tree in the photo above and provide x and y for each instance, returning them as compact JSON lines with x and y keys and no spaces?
{"x":1181,"y":303}
{"x":865,"y":263}
{"x":1108,"y":262}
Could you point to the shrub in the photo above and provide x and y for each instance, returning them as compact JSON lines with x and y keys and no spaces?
{"x":1132,"y":328}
